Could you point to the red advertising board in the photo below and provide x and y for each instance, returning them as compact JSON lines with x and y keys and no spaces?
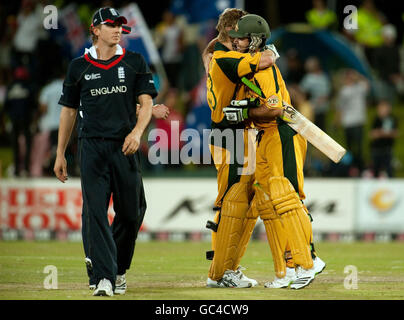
{"x":42,"y":205}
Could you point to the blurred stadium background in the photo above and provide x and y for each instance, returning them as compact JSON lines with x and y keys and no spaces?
{"x":326,"y":67}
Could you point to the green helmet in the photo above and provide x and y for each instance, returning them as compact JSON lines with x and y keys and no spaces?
{"x":251,"y":25}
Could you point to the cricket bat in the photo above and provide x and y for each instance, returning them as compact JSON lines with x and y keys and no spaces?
{"x":317,"y":137}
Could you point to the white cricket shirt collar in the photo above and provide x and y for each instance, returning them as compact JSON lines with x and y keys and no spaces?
{"x":93,"y":52}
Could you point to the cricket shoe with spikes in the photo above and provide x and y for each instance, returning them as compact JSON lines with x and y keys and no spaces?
{"x":318,"y":265}
{"x":282,"y":282}
{"x":240,"y":273}
{"x":230,"y":279}
{"x":303,"y":278}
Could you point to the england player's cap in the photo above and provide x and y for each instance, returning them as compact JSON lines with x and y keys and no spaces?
{"x":109,"y":15}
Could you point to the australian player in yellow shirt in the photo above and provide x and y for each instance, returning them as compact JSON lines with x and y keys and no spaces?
{"x":235,"y":219}
{"x":279,"y":166}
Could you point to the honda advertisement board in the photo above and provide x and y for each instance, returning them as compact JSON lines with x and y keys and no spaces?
{"x":52,"y":209}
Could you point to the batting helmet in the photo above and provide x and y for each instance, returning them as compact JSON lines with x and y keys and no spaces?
{"x":251,"y":25}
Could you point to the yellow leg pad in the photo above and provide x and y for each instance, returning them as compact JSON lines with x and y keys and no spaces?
{"x":227,"y":239}
{"x":300,"y":250}
{"x":248,"y":228}
{"x":277,"y":242}
{"x":306,"y":225}
{"x":275,"y":231}
{"x":290,"y":209}
{"x":230,"y":230}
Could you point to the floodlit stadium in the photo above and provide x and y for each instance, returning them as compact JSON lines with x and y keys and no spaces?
{"x":322,"y":178}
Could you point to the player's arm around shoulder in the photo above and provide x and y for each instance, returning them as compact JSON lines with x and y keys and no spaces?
{"x":268,"y":59}
{"x":236,"y":65}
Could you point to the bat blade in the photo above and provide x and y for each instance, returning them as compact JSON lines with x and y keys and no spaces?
{"x":318,"y":138}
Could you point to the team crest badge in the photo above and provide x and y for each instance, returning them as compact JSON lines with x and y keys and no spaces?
{"x":121,"y":74}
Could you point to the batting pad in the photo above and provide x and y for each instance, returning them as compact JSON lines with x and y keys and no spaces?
{"x":294,"y":219}
{"x":230,"y":230}
{"x":247,"y":230}
{"x":275,"y":232}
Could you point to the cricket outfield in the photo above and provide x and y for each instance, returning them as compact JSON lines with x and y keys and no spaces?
{"x":178,"y":271}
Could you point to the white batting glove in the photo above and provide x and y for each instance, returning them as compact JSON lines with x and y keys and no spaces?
{"x":273,"y":49}
{"x":235,"y":115}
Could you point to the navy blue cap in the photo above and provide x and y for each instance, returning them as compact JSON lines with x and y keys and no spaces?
{"x":109,"y":15}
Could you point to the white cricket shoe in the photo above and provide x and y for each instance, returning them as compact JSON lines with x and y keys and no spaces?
{"x":282,"y":282}
{"x":318,"y":265}
{"x":239,"y":272}
{"x":303,"y":278}
{"x":104,"y":288}
{"x":120,"y":284}
{"x":211,"y":283}
{"x":230,"y":279}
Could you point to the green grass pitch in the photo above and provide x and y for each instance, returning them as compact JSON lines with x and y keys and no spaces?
{"x":178,"y":271}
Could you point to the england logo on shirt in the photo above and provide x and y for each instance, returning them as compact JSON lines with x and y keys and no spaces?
{"x":121,"y":74}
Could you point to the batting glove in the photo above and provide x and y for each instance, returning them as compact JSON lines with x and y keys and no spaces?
{"x":238,"y":111}
{"x":273,"y":49}
{"x":288,"y":113}
{"x":235,"y":115}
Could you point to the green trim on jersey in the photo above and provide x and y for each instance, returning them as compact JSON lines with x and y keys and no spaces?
{"x":229,"y":66}
{"x":286,"y":135}
{"x":214,"y":104}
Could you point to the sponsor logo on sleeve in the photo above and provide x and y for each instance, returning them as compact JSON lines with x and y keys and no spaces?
{"x":273,"y":100}
{"x":92,"y":76}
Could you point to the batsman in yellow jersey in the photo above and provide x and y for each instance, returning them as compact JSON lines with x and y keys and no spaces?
{"x":280,"y":159}
{"x":229,"y":146}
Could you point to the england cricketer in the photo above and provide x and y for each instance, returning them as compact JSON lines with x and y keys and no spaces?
{"x":101,"y":89}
